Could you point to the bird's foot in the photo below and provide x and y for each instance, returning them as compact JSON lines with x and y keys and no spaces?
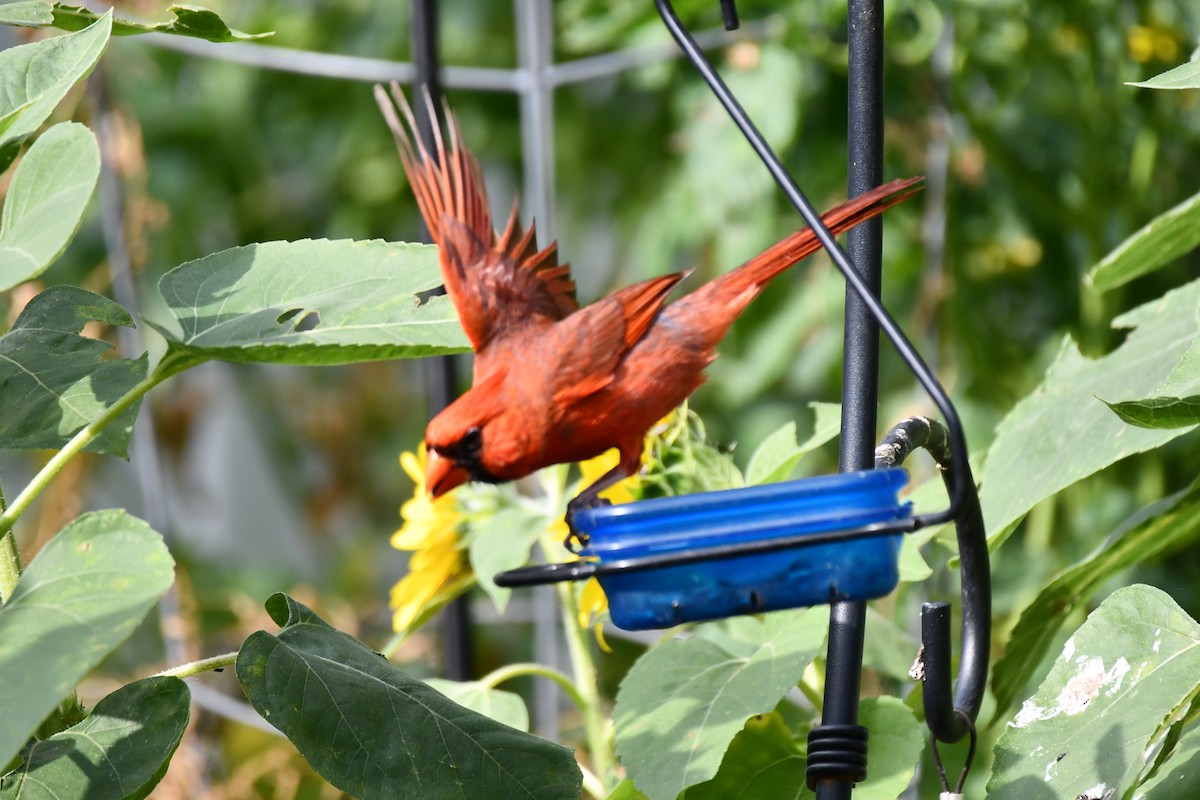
{"x":576,"y":539}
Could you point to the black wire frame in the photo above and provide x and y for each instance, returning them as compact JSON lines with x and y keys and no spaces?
{"x":441,"y":372}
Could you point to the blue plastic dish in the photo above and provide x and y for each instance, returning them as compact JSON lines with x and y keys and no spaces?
{"x":858,"y":569}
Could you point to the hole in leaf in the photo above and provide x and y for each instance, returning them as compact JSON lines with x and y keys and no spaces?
{"x":306,"y":322}
{"x":309,"y":321}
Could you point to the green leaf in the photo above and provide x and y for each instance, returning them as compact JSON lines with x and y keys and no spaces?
{"x":763,"y":762}
{"x":778,"y":455}
{"x":715,"y":470}
{"x":375,"y":732}
{"x":31,"y":13}
{"x":626,"y":790}
{"x":501,"y":541}
{"x":1166,"y":525}
{"x":683,"y":702}
{"x":1164,"y":239}
{"x":1160,"y":412}
{"x":188,"y":20}
{"x":1174,"y":404}
{"x":81,"y":596}
{"x":1185,"y":76}
{"x":311,"y":302}
{"x":45,"y":201}
{"x":897,"y":740}
{"x":53,"y":381}
{"x":1178,"y":777}
{"x":1062,"y":432}
{"x":1099,"y":718}
{"x":121,"y":751}
{"x":35,"y":77}
{"x":504,"y":707}
{"x":887,"y":648}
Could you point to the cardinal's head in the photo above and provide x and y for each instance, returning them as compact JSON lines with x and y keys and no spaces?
{"x":474,"y":439}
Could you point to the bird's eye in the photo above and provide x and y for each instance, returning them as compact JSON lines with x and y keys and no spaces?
{"x":472,"y":439}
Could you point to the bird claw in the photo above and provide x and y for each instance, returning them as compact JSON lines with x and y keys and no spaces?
{"x":576,"y":539}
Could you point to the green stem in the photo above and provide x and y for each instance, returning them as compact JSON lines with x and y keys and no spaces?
{"x":812,"y":694}
{"x":10,"y":560}
{"x":196,"y":667}
{"x":499,"y":676}
{"x":579,"y":647}
{"x":78,"y":442}
{"x":593,"y":785}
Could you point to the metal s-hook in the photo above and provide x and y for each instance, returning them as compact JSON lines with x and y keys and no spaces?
{"x":950,"y":713}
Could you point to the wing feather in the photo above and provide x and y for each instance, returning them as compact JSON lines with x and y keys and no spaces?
{"x":598,"y":337}
{"x":498,"y":283}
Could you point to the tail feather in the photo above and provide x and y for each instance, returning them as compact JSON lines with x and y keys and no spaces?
{"x":730,"y":293}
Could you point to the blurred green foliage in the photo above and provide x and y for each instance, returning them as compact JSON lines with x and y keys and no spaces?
{"x":1050,"y":161}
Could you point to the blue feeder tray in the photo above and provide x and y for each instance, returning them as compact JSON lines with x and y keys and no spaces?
{"x":808,"y":575}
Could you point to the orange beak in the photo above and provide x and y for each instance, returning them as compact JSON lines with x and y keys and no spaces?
{"x":442,"y":474}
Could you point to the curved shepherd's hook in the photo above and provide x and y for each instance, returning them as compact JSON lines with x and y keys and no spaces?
{"x":941,"y":709}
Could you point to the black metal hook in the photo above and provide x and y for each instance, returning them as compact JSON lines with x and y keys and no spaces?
{"x":964,"y":509}
{"x":950,"y":715}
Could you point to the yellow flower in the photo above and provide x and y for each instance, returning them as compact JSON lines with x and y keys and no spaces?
{"x":1147,"y":43}
{"x":438,"y":570}
{"x":593,"y":607}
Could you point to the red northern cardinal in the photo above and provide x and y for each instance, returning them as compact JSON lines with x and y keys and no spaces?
{"x":555,"y":383}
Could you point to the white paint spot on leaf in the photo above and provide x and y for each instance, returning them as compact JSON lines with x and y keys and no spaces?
{"x":1083,"y":687}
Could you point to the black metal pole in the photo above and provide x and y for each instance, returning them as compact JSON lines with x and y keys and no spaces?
{"x":441,"y":373}
{"x":860,"y":371}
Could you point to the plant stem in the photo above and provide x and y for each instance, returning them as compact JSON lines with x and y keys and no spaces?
{"x":812,"y":694}
{"x":591,"y":784}
{"x":196,"y":667}
{"x":507,"y":673}
{"x":10,"y":560}
{"x":79,"y":441}
{"x":579,"y":647}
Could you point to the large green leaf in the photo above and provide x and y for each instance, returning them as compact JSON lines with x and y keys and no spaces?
{"x":496,"y":704}
{"x":1166,"y":525}
{"x":311,"y":302}
{"x":375,"y":732}
{"x":1164,"y":239}
{"x":1062,"y":432}
{"x":45,"y":201}
{"x":35,"y":77}
{"x":1185,"y":76}
{"x":1098,"y":720}
{"x":81,"y":597}
{"x":683,"y":702}
{"x":187,"y":20}
{"x":53,"y":381}
{"x":763,"y":762}
{"x":121,"y":751}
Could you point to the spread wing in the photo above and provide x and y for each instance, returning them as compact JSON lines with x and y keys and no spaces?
{"x":599,"y":336}
{"x":498,"y":282}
